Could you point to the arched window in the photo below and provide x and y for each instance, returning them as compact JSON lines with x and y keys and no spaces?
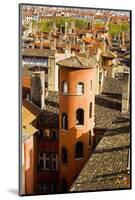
{"x":64,"y":121}
{"x":79,"y":150}
{"x":63,"y":185}
{"x":80,"y":88}
{"x":90,"y":111}
{"x":64,"y":87}
{"x":79,"y":116}
{"x":64,"y":155}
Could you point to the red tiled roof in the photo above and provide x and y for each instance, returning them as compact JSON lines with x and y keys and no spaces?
{"x":38,"y":44}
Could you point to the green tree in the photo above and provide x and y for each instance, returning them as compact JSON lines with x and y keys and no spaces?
{"x":45,"y":26}
{"x":81,"y":23}
{"x":116,"y":29}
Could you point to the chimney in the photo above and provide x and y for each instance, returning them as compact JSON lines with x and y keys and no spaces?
{"x":103,"y":45}
{"x":72,"y":27}
{"x":82,"y":47}
{"x":54,"y":28}
{"x":68,"y":49}
{"x":42,"y":79}
{"x":53,"y":44}
{"x":90,"y":24}
{"x":41,"y":42}
{"x":66,"y":27}
{"x":125,"y":93}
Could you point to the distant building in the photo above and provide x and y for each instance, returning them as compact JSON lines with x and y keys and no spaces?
{"x":38,"y":59}
{"x":40,"y":163}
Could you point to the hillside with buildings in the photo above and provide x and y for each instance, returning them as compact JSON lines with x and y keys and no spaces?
{"x":75,"y":77}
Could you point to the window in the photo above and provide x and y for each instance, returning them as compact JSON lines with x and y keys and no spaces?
{"x":54,"y":135}
{"x":41,"y":161}
{"x":53,"y":188}
{"x":91,"y":85}
{"x":41,"y":131}
{"x":65,"y":87}
{"x":90,"y":111}
{"x":80,"y":88}
{"x":63,"y":185}
{"x":64,"y":155}
{"x":47,"y":188}
{"x":47,"y":161}
{"x":54,"y":162}
{"x":46,"y":133}
{"x":79,"y":116}
{"x":79,"y":150}
{"x":42,"y":188}
{"x":64,"y":121}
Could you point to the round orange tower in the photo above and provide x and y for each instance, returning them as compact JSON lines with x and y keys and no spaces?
{"x":76,"y":116}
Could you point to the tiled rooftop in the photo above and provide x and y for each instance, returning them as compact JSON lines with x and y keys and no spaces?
{"x":112,"y":86}
{"x":33,"y":52}
{"x":107,"y":167}
{"x":47,"y":119}
{"x":108,"y":54}
{"x":77,"y":62}
{"x":107,"y":108}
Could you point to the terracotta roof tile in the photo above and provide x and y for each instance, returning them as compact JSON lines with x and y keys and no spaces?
{"x":32,"y":52}
{"x":108,"y":54}
{"x":77,"y":62}
{"x":107,"y":167}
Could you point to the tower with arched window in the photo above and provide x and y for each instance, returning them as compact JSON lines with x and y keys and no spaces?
{"x":76,"y":115}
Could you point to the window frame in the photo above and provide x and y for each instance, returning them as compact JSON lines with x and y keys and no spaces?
{"x":90,"y":110}
{"x":50,"y":159}
{"x":56,"y":135}
{"x":80,"y":86}
{"x":79,"y":154}
{"x":81,"y":120}
{"x":64,"y":123}
{"x":65,"y":87}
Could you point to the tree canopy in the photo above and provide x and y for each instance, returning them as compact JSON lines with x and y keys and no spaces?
{"x":116,"y":29}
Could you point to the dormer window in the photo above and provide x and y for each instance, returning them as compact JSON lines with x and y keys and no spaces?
{"x":65,"y":87}
{"x":80,"y":88}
